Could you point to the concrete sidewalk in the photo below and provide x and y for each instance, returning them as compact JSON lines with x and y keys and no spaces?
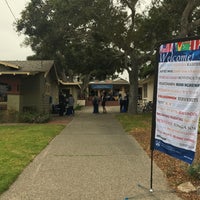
{"x":91,"y":159}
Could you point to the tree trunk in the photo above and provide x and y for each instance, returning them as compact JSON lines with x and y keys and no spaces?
{"x":84,"y":86}
{"x":133,"y":91}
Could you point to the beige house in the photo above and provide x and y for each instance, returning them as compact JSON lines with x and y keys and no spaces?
{"x":146,"y":88}
{"x":71,"y":88}
{"x":28,"y":85}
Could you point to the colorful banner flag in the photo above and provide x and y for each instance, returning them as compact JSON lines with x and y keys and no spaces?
{"x":178,"y":99}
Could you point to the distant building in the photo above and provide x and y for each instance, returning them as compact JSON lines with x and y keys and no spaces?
{"x":112,"y":88}
{"x":35,"y":86}
{"x":28,"y":85}
{"x":145,"y":90}
{"x":73,"y":88}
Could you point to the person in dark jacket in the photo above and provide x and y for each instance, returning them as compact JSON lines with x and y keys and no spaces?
{"x":61,"y":104}
{"x":103,"y":103}
{"x":121,"y":103}
{"x":95,"y":102}
{"x":71,"y":105}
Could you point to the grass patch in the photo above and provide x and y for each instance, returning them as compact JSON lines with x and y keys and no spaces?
{"x":19,"y":145}
{"x":78,"y":107}
{"x":135,"y":122}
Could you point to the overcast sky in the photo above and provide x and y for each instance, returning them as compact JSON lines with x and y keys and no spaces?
{"x":10,"y":42}
{"x":11,"y":47}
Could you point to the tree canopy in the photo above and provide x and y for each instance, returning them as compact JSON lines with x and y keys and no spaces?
{"x":96,"y":38}
{"x":68,"y":32}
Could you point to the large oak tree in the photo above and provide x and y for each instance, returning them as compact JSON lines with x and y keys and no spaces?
{"x":95,"y":38}
{"x":67,"y":31}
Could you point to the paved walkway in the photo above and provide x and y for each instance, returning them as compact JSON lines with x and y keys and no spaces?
{"x":92,"y":159}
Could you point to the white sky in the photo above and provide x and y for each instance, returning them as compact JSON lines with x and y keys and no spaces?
{"x":10,"y":42}
{"x":11,"y":47}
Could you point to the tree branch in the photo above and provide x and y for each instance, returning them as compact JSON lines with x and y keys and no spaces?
{"x":185,"y":17}
{"x":196,"y":23}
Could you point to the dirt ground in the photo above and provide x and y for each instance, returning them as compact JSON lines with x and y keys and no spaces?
{"x":56,"y":119}
{"x":175,"y":170}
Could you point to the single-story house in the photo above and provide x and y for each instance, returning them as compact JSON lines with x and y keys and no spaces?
{"x":73,"y":88}
{"x":112,"y":88}
{"x":28,"y":85}
{"x":146,"y":88}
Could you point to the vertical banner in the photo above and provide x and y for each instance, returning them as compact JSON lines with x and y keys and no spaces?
{"x":178,"y":99}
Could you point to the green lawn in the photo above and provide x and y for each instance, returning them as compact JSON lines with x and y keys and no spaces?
{"x":133,"y":122}
{"x":141,"y":121}
{"x":19,"y":144}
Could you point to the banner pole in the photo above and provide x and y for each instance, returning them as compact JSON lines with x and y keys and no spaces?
{"x":153,"y":123}
{"x":151,"y":178}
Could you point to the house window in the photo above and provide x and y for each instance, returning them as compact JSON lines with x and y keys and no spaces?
{"x":4,"y":88}
{"x":145,"y":90}
{"x":18,"y":87}
{"x":140,"y":93}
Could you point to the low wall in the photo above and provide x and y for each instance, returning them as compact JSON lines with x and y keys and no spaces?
{"x":108,"y":103}
{"x":81,"y":102}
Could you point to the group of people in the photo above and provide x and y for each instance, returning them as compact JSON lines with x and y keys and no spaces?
{"x":123,"y":102}
{"x":66,"y":105}
{"x":96,"y":100}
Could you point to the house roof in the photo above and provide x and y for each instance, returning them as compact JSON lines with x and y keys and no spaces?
{"x":118,"y":81}
{"x":9,"y":65}
{"x":70,"y":83}
{"x":147,"y":80}
{"x":29,"y":67}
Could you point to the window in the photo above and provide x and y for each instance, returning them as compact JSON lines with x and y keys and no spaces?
{"x":145,"y":90}
{"x":140,"y":93}
{"x":4,"y":88}
{"x":18,"y":87}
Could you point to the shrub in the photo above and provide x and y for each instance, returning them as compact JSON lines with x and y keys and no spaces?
{"x":194,"y":170}
{"x":33,"y":117}
{"x":78,"y":107}
{"x":9,"y":116}
{"x":12,"y":116}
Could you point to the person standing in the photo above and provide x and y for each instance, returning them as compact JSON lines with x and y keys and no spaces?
{"x":95,"y":102}
{"x":61,"y":104}
{"x":125,"y":103}
{"x":103,"y":103}
{"x":71,"y":105}
{"x":120,"y":103}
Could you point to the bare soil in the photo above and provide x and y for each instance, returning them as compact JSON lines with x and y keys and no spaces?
{"x":174,"y":169}
{"x":56,"y":119}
